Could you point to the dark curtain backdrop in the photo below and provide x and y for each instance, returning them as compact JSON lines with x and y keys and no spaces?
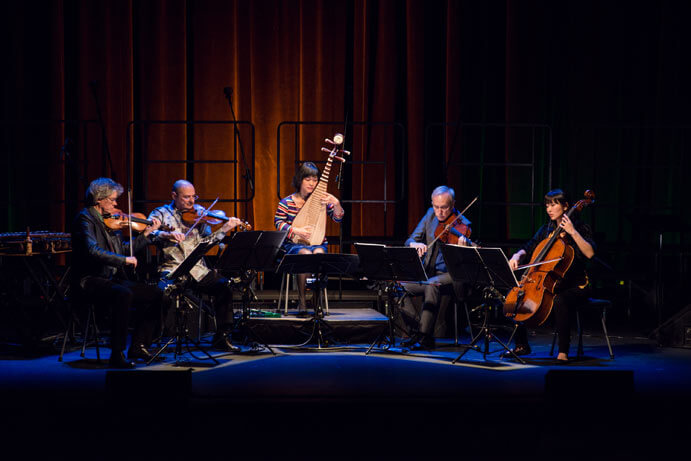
{"x":608,"y":78}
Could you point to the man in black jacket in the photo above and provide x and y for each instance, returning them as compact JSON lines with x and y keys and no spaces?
{"x":99,"y":262}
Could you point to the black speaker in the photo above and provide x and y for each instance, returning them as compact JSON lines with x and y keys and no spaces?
{"x":582,"y":384}
{"x":161,"y":392}
{"x":676,"y":331}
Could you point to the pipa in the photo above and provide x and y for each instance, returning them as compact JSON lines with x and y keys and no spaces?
{"x":313,"y":212}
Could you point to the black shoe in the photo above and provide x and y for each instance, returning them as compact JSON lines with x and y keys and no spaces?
{"x":222,"y":343}
{"x":302,"y":314}
{"x":520,"y":349}
{"x":117,"y":360}
{"x":421,"y":343}
{"x":407,"y":343}
{"x":139,"y":352}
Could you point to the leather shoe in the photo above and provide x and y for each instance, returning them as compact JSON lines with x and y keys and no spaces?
{"x":519,"y":349}
{"x":420,"y":343}
{"x":222,"y":342}
{"x":117,"y":360}
{"x":139,"y":352}
{"x":406,"y":343}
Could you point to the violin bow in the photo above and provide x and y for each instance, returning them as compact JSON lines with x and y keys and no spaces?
{"x":206,"y":211}
{"x":129,"y":220}
{"x":448,"y":226}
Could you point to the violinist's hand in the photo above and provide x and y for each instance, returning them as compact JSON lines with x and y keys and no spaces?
{"x":303,"y":232}
{"x":230,"y":225}
{"x":567,"y":225}
{"x":131,"y":261}
{"x":420,"y":247}
{"x":149,"y":229}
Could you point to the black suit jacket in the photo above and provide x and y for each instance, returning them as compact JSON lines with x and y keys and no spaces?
{"x":96,"y":251}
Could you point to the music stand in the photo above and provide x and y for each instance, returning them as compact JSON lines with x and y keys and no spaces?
{"x":320,"y":264}
{"x":489,"y":267}
{"x":179,"y":278}
{"x":247,"y":253}
{"x":390,"y":265}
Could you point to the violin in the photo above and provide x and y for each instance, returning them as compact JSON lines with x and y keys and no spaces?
{"x":120,"y":221}
{"x":531,"y":302}
{"x":452,"y":230}
{"x":214,"y":218}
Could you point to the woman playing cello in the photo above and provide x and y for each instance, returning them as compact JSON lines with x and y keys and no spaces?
{"x":574,"y":289}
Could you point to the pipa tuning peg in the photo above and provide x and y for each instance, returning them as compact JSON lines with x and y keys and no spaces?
{"x":336,"y":141}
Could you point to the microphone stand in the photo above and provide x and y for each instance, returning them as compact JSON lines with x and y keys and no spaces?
{"x":228,"y":91}
{"x":106,"y":149}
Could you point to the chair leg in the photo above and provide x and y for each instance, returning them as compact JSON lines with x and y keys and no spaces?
{"x":280,"y":292}
{"x":604,"y":329}
{"x":85,"y":336}
{"x":326,"y":302}
{"x":286,"y":293}
{"x":554,"y":342}
{"x":97,"y":338}
{"x":68,"y":331}
{"x":580,"y":333}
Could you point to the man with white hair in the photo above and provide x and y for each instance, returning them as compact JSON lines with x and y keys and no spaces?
{"x":441,"y":212}
{"x":100,"y":256}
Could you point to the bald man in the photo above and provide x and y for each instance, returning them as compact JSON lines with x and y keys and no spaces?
{"x":175,"y":247}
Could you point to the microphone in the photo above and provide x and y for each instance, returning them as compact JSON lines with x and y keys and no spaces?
{"x":63,"y":150}
{"x":228,"y":90}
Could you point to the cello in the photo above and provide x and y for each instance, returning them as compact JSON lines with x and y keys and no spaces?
{"x":531,"y":302}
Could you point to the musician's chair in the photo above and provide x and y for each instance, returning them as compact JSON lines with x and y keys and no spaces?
{"x":78,"y":305}
{"x":285,"y":289}
{"x":591,"y":304}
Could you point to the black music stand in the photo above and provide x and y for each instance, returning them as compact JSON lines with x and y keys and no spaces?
{"x":180,"y":278}
{"x":247,"y":253}
{"x":488,"y":267}
{"x":389,"y":266}
{"x":320,"y":264}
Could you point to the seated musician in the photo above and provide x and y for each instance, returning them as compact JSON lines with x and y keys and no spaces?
{"x":99,"y":259}
{"x":442,"y":211}
{"x":304,"y":182}
{"x":177,"y":243}
{"x":575,"y":287}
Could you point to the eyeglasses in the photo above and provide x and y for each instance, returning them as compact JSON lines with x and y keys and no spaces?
{"x":187,"y":197}
{"x":113,"y":200}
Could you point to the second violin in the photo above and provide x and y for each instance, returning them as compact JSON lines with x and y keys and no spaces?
{"x":214,"y":218}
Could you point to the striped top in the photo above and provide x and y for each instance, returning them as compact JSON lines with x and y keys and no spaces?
{"x":287,"y":210}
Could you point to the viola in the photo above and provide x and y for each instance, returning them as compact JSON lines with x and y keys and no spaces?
{"x":531,"y":302}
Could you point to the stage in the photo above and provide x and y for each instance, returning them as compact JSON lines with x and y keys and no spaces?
{"x":338,"y":402}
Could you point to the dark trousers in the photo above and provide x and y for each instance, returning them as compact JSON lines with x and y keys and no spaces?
{"x":218,"y":286}
{"x":119,"y":296}
{"x":215,"y":285}
{"x":563,"y":311}
{"x":432,"y":292}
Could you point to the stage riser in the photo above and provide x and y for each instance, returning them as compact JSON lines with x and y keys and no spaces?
{"x":285,"y":331}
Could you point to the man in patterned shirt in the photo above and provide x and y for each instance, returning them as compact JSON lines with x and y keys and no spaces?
{"x":176,"y":247}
